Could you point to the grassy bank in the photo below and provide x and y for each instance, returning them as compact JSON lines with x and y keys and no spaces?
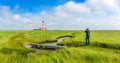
{"x":104,"y":47}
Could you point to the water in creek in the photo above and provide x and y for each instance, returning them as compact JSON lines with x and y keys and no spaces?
{"x":53,"y":44}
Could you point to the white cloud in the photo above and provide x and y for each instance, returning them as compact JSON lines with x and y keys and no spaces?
{"x":16,"y":17}
{"x":95,"y":14}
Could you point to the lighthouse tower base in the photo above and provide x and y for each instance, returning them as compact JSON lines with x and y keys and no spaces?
{"x":43,"y":28}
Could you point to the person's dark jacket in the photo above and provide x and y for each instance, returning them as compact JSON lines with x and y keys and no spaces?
{"x":87,"y":31}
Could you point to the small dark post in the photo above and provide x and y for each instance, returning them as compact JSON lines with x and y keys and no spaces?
{"x":87,"y":31}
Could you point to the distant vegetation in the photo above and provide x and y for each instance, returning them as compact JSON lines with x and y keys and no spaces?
{"x":104,"y":47}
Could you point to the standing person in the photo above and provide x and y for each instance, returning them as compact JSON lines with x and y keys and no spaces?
{"x":87,"y":31}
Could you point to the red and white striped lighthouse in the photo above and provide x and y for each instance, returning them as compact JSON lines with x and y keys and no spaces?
{"x":43,"y":27}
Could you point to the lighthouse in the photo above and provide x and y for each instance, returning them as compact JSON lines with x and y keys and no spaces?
{"x":43,"y":27}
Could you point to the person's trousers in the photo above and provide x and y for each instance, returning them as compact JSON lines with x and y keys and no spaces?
{"x":87,"y":40}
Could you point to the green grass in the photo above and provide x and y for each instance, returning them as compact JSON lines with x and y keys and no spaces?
{"x":104,"y":47}
{"x":107,"y":39}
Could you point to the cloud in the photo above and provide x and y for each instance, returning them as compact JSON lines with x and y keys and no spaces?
{"x":11,"y":20}
{"x":16,"y":17}
{"x":95,"y":14}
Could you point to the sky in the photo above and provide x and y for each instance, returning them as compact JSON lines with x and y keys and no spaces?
{"x":60,"y":14}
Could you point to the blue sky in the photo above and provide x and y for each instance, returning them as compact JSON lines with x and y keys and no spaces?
{"x":35,"y":5}
{"x":60,"y":14}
